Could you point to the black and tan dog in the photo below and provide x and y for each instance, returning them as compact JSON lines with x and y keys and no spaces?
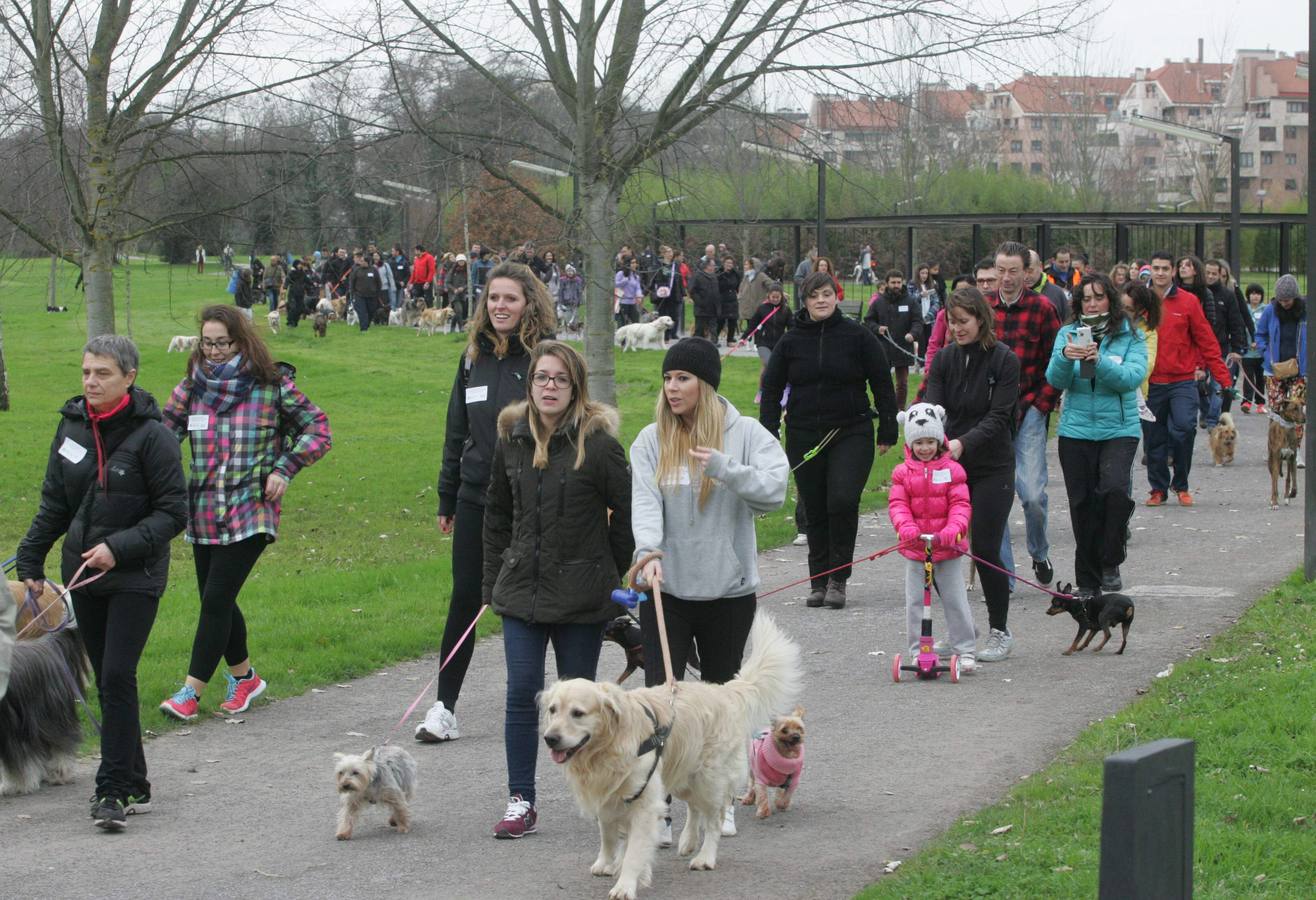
{"x":625,"y":632}
{"x":1094,"y":612}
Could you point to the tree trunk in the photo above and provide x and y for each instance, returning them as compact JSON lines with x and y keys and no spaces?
{"x":98,"y":283}
{"x":4,"y":374}
{"x":598,"y":216}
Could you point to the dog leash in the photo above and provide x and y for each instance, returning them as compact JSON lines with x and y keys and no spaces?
{"x":30,"y":601}
{"x":64,"y":597}
{"x":453,"y":652}
{"x":1014,"y":575}
{"x":869,"y":558}
{"x":657,"y":741}
{"x":745,"y":340}
{"x":914,"y":356}
{"x":814,"y":451}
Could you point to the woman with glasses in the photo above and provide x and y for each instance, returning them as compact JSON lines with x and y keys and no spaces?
{"x":250,"y":430}
{"x":512,"y":316}
{"x":557,"y":537}
{"x":1099,"y":361}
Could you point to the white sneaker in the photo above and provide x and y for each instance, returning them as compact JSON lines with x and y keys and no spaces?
{"x":729,"y":821}
{"x":968,"y":664}
{"x":1145,"y":413}
{"x":941,"y":647}
{"x":665,"y":829}
{"x":998,"y":646}
{"x":439,"y":725}
{"x":801,"y":540}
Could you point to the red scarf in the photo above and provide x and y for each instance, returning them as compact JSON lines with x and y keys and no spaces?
{"x":96,"y":418}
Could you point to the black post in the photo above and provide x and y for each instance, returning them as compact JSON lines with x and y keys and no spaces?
{"x":822,"y":208}
{"x":1199,"y":240}
{"x":1147,"y":823}
{"x":976,"y":245}
{"x":799,"y":247}
{"x":1044,"y":241}
{"x":1309,"y":491}
{"x":1285,"y":257}
{"x":1235,"y":243}
{"x":909,"y":252}
{"x":657,"y":238}
{"x":1122,"y":244}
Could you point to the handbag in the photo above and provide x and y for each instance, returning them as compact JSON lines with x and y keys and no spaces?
{"x":663,"y":291}
{"x":1286,"y":369}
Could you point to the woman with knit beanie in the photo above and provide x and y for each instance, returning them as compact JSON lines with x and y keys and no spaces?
{"x":700,"y":473}
{"x":1282,"y":342}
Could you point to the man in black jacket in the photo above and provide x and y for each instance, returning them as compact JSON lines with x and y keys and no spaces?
{"x":1230,"y":332}
{"x":334,"y":274}
{"x":898,"y":323}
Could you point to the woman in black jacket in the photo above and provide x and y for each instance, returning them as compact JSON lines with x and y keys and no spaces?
{"x":728,"y":285}
{"x":513,"y":316}
{"x":831,"y":362}
{"x":114,"y":490}
{"x":668,"y":291}
{"x":557,"y":537}
{"x":976,"y":379}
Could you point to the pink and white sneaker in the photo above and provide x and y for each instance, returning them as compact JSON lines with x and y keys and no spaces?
{"x":182,"y":705}
{"x":241,"y":691}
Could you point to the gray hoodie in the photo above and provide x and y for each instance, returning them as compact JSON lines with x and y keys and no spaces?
{"x":711,"y":552}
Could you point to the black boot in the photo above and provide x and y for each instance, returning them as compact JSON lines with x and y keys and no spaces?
{"x":817,"y":591}
{"x":835,"y":596}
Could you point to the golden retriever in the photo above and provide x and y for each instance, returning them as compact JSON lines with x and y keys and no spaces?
{"x":431,"y":320}
{"x":594,"y":730}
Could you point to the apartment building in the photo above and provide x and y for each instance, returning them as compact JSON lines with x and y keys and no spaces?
{"x":1268,"y":101}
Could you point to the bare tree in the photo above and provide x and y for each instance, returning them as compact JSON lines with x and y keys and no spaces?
{"x":623,"y":80}
{"x":118,"y":90}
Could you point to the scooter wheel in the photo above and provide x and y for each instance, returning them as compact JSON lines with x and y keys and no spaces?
{"x":955,"y":669}
{"x":895,"y":669}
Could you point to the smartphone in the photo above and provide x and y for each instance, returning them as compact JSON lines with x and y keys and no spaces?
{"x":1083,"y":336}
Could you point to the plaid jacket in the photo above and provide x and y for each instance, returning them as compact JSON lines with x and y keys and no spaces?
{"x":1029,"y":328}
{"x":274,"y":429}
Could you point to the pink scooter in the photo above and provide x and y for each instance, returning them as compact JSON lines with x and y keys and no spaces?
{"x":927,"y":664}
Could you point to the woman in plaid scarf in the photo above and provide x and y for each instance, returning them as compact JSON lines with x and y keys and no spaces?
{"x":251,"y":430}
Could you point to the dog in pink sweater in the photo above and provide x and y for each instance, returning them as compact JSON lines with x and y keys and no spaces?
{"x":776,"y":761}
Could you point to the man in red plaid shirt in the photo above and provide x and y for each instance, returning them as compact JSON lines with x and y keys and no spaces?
{"x":1026,"y":322}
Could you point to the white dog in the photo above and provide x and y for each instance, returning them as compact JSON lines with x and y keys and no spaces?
{"x":325,"y":307}
{"x":604,"y":738}
{"x":648,"y":335}
{"x":182,"y":343}
{"x":395,"y":317}
{"x":273,"y":319}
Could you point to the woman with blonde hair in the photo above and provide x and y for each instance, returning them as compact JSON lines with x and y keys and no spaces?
{"x":557,"y":537}
{"x":700,"y":473}
{"x":513,"y":315}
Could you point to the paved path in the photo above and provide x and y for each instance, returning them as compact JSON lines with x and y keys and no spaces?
{"x":247,"y":810}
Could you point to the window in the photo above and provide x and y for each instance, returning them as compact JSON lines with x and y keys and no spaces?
{"x":1266,"y":134}
{"x":1035,"y":122}
{"x":1055,"y":146}
{"x":1016,"y":167}
{"x":1267,"y":158}
{"x":1109,"y":101}
{"x":1035,"y":168}
{"x":1245,"y":159}
{"x":1149,"y":162}
{"x":1149,"y":91}
{"x":1194,"y":112}
{"x":1245,"y":184}
{"x":1185,"y":183}
{"x":1036,"y":146}
{"x":1290,"y":159}
{"x":1290,"y":132}
{"x":1016,"y":146}
{"x":1297,"y":106}
{"x":1221,"y":185}
{"x":995,"y":167}
{"x":1261,"y":110}
{"x":1290,"y":184}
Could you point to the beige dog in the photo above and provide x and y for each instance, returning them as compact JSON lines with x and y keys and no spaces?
{"x":596,"y":732}
{"x":1223,"y":437}
{"x":431,"y":320}
{"x":182,"y":343}
{"x":51,"y":611}
{"x":642,"y":335}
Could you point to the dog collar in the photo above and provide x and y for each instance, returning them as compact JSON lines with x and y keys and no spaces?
{"x":654,"y":744}
{"x":1280,"y":420}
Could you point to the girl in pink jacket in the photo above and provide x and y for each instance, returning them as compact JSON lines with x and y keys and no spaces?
{"x":930,"y":495}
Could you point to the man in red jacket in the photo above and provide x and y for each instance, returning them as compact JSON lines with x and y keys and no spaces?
{"x":422,"y":275}
{"x":1186,"y":348}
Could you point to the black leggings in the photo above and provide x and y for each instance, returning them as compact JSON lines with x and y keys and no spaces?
{"x":114,"y":629}
{"x":992,"y":495}
{"x":719,"y":629}
{"x":221,"y":570}
{"x":830,"y":485}
{"x":1098,"y":476}
{"x":466,"y":599}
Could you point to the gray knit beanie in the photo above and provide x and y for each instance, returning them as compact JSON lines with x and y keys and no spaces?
{"x":1286,"y":288}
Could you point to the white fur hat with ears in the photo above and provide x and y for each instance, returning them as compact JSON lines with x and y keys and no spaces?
{"x":924,"y":420}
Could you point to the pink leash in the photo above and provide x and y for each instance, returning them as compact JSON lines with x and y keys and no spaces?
{"x":746,"y":338}
{"x":64,"y":597}
{"x":453,"y":652}
{"x":1015,"y":576}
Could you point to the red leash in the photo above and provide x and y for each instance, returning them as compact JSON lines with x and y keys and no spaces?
{"x":1015,"y":576}
{"x":869,"y":558}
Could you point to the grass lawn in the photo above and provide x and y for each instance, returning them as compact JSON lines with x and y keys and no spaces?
{"x":359,"y":577}
{"x":1248,"y":700}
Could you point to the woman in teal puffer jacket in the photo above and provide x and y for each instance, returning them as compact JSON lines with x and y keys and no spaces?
{"x":1099,"y":427}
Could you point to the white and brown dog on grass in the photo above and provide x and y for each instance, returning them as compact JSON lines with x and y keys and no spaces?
{"x":182,"y":343}
{"x":693,"y":747}
{"x":385,"y":775}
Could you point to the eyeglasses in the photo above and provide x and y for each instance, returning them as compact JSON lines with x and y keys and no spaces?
{"x":541,"y":379}
{"x":985,"y":281}
{"x":207,"y":344}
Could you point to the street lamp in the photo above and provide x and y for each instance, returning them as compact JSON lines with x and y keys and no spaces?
{"x":1261,"y":199}
{"x":1201,"y":135}
{"x":552,"y":173}
{"x":668,"y":202}
{"x":895,"y":207}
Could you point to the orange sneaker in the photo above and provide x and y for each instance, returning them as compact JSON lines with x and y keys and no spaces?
{"x":1156,"y":498}
{"x":1185,"y":498}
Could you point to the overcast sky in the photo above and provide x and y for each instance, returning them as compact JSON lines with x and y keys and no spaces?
{"x":1145,"y":32}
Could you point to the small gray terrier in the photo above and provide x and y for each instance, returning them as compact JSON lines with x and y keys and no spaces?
{"x":383,"y":774}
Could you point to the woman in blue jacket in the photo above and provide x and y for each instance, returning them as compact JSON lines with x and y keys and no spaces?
{"x":1099,"y":427}
{"x":1282,"y":341}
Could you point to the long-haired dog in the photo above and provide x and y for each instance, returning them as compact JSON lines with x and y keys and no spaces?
{"x":39,"y":726}
{"x":1282,"y":445}
{"x":776,"y":761}
{"x":182,"y":343}
{"x":1223,"y":437}
{"x":319,"y":324}
{"x":642,"y":335}
{"x":431,"y":320}
{"x":273,"y":319}
{"x":623,"y":751}
{"x":386,"y":775}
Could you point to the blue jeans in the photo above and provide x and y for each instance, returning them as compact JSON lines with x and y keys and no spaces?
{"x":1030,"y":479}
{"x":525,"y":645}
{"x":1170,"y":437}
{"x":1209,"y":404}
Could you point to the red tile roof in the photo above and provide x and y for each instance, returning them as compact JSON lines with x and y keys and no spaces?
{"x":1279,"y":74}
{"x":1188,"y":82}
{"x":1065,"y":94}
{"x":946,"y":104}
{"x":863,"y":114}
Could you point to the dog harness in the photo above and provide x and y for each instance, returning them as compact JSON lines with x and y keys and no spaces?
{"x":770,"y":767}
{"x":654,"y":744}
